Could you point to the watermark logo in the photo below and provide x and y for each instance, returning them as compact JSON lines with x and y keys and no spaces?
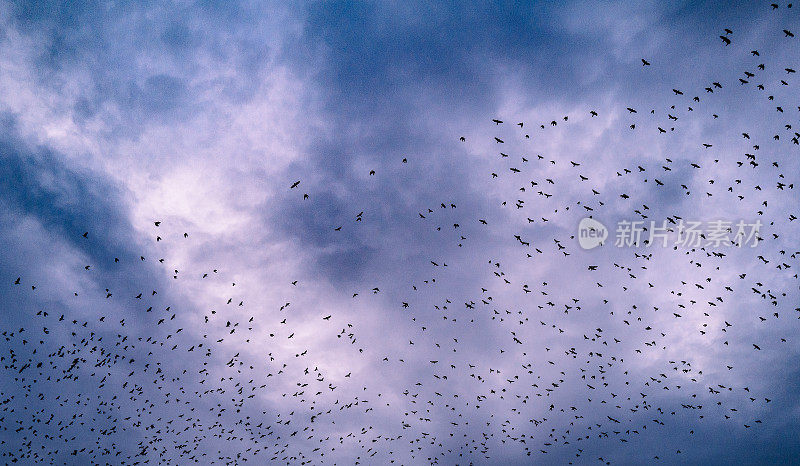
{"x":591,"y":233}
{"x":672,"y":232}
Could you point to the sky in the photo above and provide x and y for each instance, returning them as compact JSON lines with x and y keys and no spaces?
{"x":291,"y":233}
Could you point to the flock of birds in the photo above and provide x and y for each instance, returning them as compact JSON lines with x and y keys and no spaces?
{"x":584,"y":369}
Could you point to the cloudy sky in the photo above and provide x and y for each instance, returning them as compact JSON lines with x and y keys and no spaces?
{"x":466,"y":324}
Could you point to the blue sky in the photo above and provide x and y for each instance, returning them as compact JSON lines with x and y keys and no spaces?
{"x":201,"y":115}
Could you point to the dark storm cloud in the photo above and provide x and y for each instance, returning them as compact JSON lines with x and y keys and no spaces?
{"x":34,"y":181}
{"x":386,"y":75}
{"x":378,"y":57}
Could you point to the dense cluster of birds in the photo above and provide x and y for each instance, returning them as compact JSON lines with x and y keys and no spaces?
{"x":596,"y":355}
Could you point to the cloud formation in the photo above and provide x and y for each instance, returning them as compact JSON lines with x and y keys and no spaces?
{"x":425,"y":303}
